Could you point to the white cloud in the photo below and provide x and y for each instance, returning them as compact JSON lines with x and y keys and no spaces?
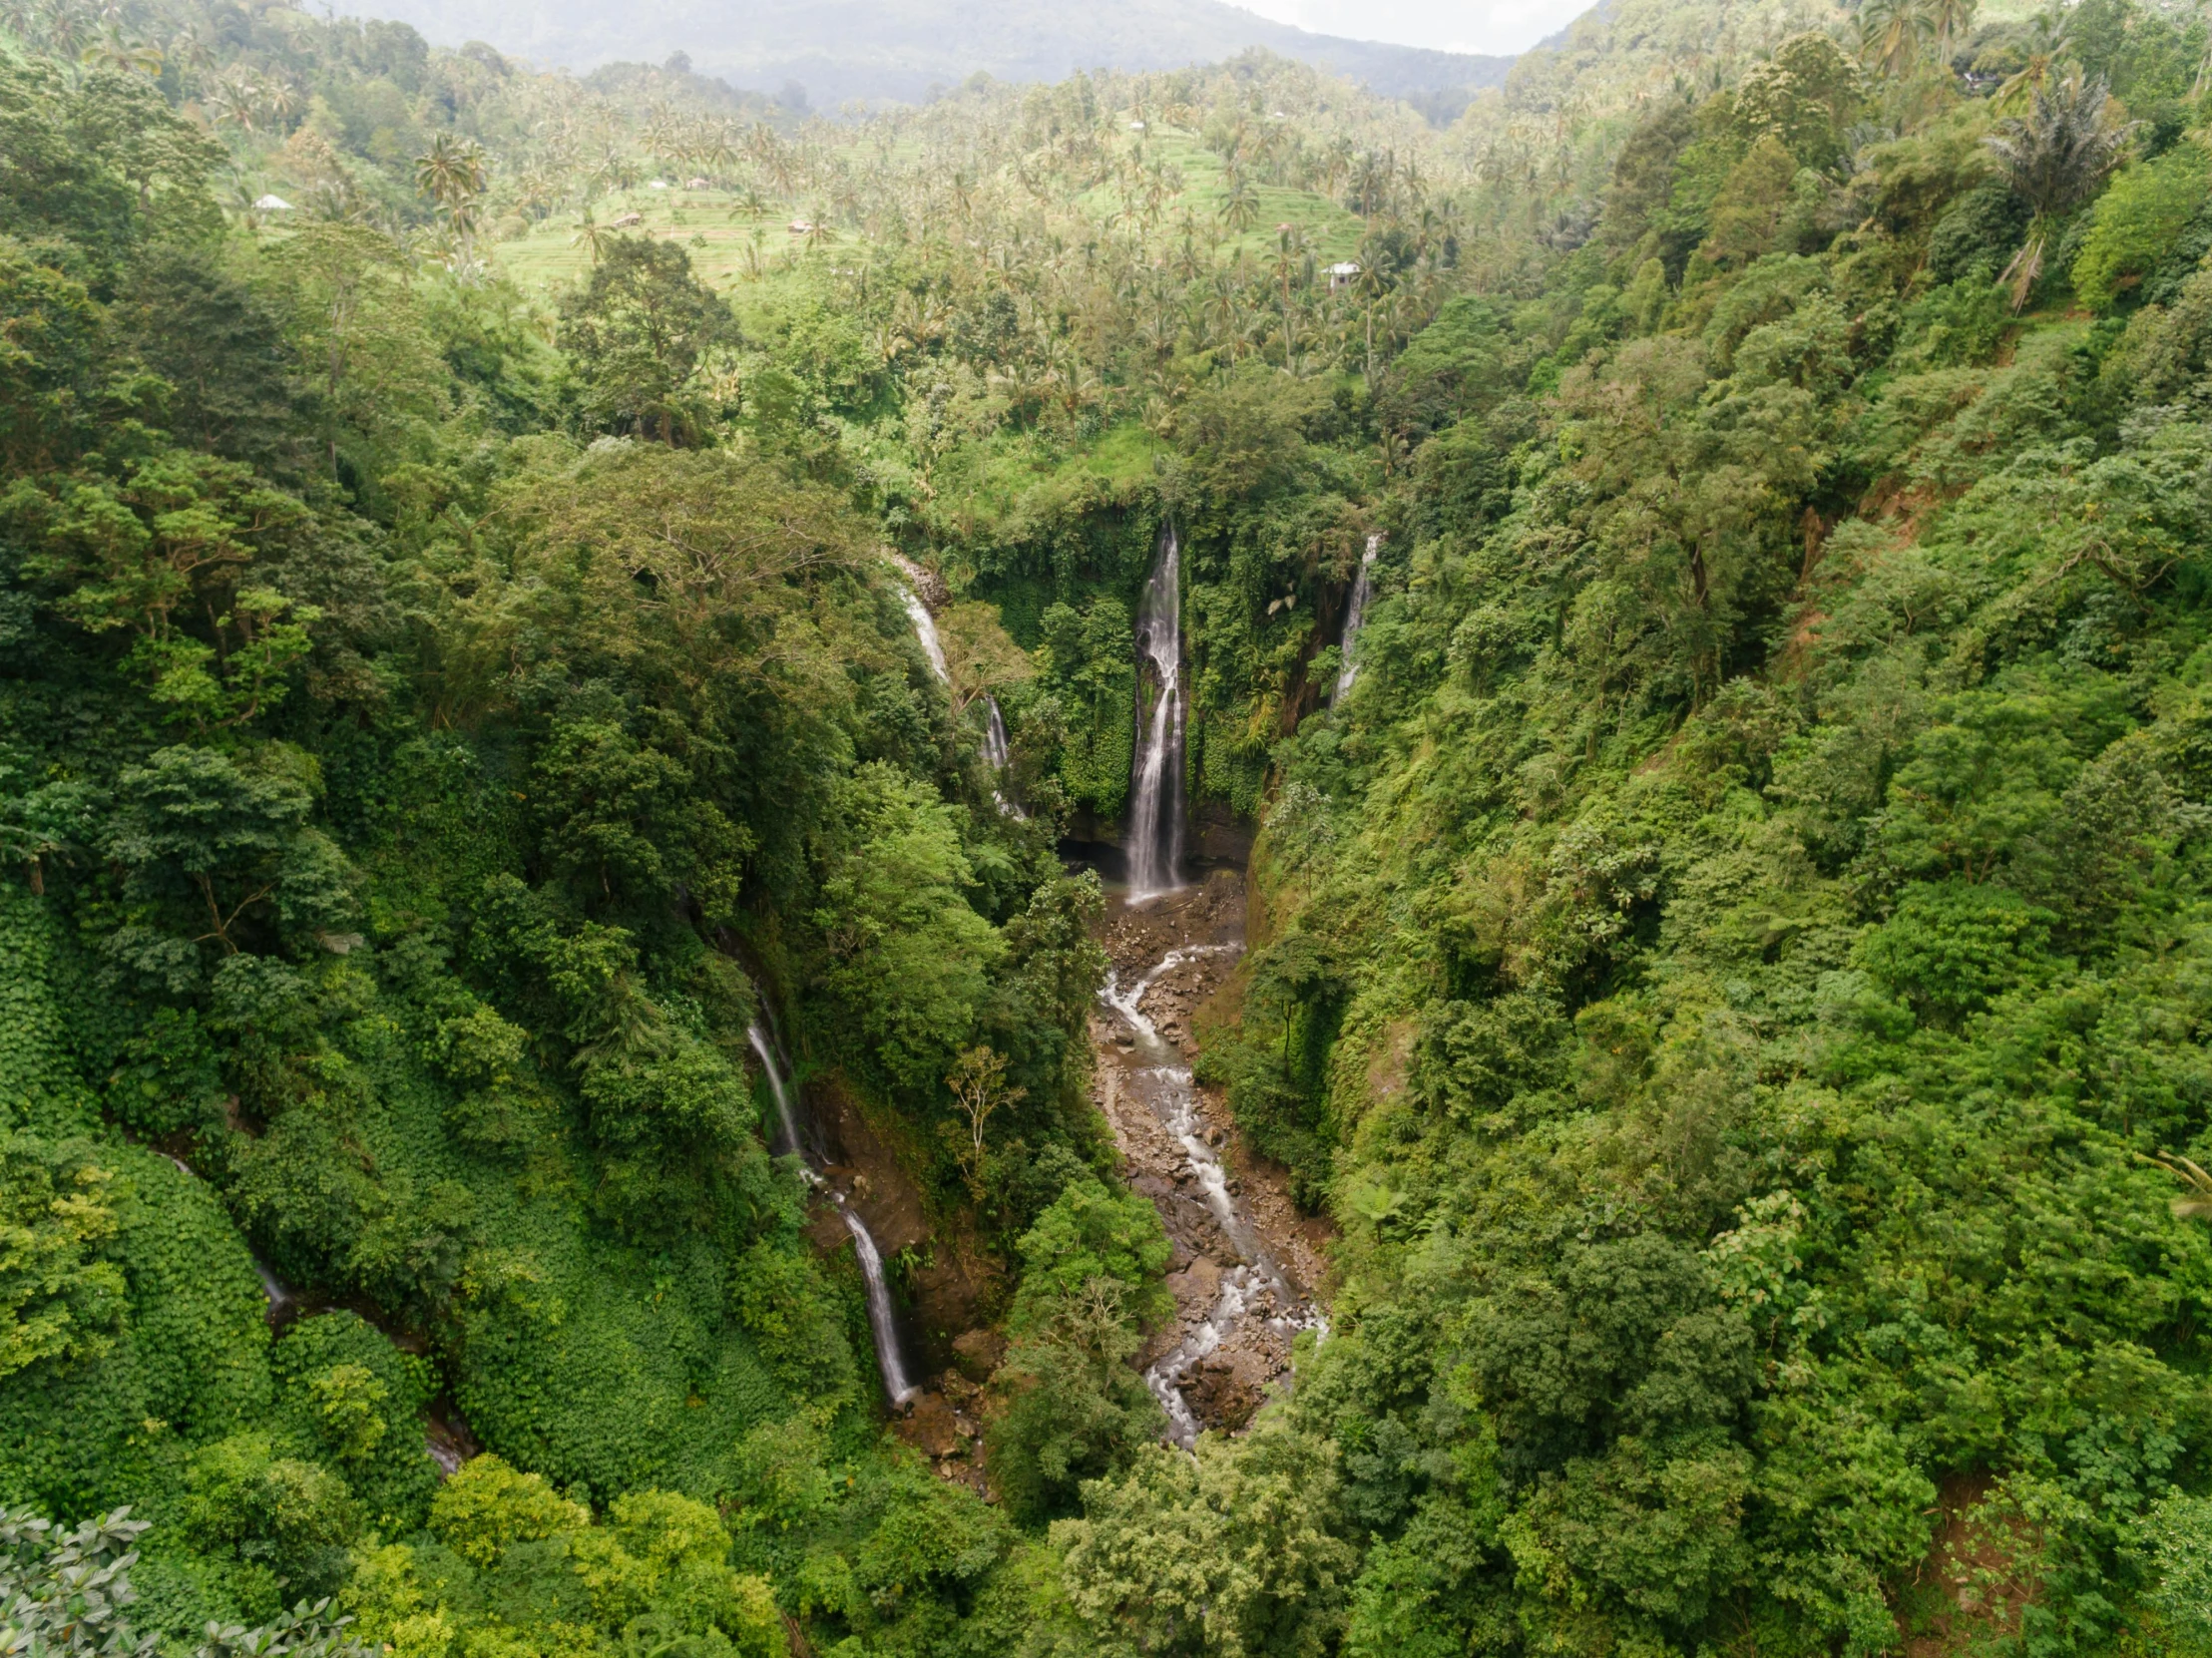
{"x":1446,"y":25}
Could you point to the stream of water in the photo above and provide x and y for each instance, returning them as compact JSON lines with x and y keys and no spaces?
{"x":1256,"y":1295}
{"x":1363,"y":589}
{"x":1155,"y":794}
{"x":925,"y":630}
{"x":890,"y":1355}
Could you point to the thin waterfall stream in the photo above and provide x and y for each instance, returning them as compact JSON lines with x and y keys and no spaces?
{"x":1156,"y":781}
{"x":890,"y":1355}
{"x":1363,"y":589}
{"x":995,"y":751}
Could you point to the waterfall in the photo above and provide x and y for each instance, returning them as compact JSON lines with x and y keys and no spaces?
{"x":284,"y":1300}
{"x":1155,"y":807}
{"x":997,"y":754}
{"x":782,"y":1094}
{"x":995,"y":747}
{"x":925,"y":630}
{"x":1363,"y":589}
{"x":890,"y":1359}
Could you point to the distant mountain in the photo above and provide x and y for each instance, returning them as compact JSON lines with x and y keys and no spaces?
{"x":899,"y":49}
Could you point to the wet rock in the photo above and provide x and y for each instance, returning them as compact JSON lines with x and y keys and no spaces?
{"x":1196,"y":1288}
{"x":931,"y":1427}
{"x":1225,"y":1391}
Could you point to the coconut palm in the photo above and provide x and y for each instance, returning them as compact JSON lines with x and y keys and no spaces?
{"x":237,"y":100}
{"x":1241,"y":206}
{"x":2055,"y":158}
{"x":2197,"y":1205}
{"x":1893,"y":34}
{"x":113,"y":50}
{"x":591,"y":235}
{"x":452,"y":172}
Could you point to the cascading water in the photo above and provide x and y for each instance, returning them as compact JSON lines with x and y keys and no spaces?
{"x":786,"y":1118}
{"x":889,"y":1359}
{"x":995,"y":747}
{"x":1363,"y":589}
{"x":998,"y":753}
{"x":925,"y":630}
{"x":1155,"y":783}
{"x":1255,"y":1287}
{"x":890,"y":1356}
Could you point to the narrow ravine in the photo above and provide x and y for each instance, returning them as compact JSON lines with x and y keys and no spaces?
{"x":1245,"y":1265}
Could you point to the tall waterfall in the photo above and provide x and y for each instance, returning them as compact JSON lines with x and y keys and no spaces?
{"x":786,"y":1117}
{"x":890,"y":1358}
{"x":1156,"y":806}
{"x":925,"y":630}
{"x":1363,"y":589}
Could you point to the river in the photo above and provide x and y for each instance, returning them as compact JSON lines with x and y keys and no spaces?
{"x":1245,"y":1265}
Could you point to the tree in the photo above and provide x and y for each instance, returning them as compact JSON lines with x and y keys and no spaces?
{"x":217,"y":849}
{"x":164,"y":554}
{"x":357,"y":326}
{"x":1233,"y":1556}
{"x":70,"y":1593}
{"x":979,"y":1088}
{"x":61,"y":1298}
{"x":638,"y":327}
{"x":2055,"y":158}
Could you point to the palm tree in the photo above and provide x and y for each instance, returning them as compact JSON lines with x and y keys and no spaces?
{"x":589,"y":236}
{"x":1241,"y":206}
{"x":452,"y":174}
{"x":236,"y":100}
{"x":2196,"y":1206}
{"x":131,"y":56}
{"x":2048,"y":44}
{"x":1290,"y":255}
{"x":2054,"y":158}
{"x":1891,"y":34}
{"x":1950,"y":21}
{"x":283,"y":100}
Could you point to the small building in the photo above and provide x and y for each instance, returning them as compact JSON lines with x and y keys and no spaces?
{"x":656,"y":183}
{"x":695,"y":184}
{"x":802,"y":227}
{"x":1343,"y":274}
{"x":625,"y":220}
{"x":271,"y":205}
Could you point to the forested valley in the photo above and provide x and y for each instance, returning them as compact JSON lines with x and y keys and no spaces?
{"x":1156,"y":866}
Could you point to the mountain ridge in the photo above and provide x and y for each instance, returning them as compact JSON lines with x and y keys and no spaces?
{"x":848,"y":51}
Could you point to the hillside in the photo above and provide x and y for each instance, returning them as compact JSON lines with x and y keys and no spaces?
{"x":865,"y":49}
{"x":1146,"y":867}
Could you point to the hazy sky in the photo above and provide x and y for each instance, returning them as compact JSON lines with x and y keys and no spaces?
{"x":1449,"y":25}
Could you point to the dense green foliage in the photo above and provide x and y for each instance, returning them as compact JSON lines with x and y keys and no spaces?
{"x":1735,"y":952}
{"x":1733,"y":967}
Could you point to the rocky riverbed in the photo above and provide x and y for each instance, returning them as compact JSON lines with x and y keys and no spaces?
{"x":1246,"y":1266}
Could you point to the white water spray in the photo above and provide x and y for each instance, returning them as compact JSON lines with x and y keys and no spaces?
{"x":1255,"y":1287}
{"x":890,"y":1358}
{"x":925,"y":630}
{"x":995,"y":747}
{"x":1155,"y":807}
{"x":785,"y":1115}
{"x":1363,"y":589}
